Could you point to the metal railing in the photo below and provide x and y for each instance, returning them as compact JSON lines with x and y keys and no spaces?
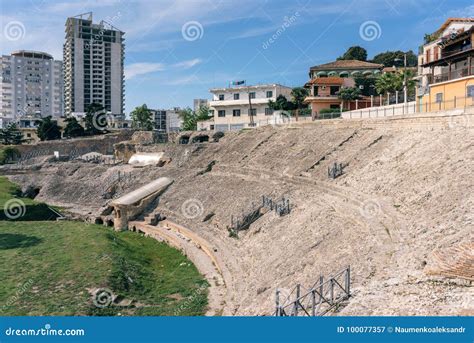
{"x":410,"y":108}
{"x":321,"y":298}
{"x":453,"y":75}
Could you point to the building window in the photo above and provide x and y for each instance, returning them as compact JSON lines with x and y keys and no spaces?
{"x":269,"y":94}
{"x":252,"y":95}
{"x":236,"y":113}
{"x":439,"y":97}
{"x":333,"y":90}
{"x":236,"y":96}
{"x":212,"y":127}
{"x":470,"y":91}
{"x":221,"y":113}
{"x":268,"y":111}
{"x":315,"y":90}
{"x":221,"y":97}
{"x":252,"y":112}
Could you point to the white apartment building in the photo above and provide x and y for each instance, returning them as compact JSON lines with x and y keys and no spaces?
{"x":93,"y":65}
{"x":30,"y":85}
{"x":235,"y":108}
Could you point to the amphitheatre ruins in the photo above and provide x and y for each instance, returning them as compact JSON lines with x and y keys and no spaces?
{"x":256,"y":211}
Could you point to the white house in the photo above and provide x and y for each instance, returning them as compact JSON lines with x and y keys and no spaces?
{"x":239,"y":107}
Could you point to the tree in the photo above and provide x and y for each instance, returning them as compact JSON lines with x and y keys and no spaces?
{"x":48,"y":129}
{"x":392,"y":82}
{"x":395,"y":58}
{"x":281,"y":104}
{"x":73,"y":128}
{"x":354,"y":53}
{"x":298,"y":95}
{"x":8,"y":154}
{"x":366,"y":85}
{"x":142,"y":118}
{"x":349,"y":94}
{"x":11,"y":135}
{"x":188,"y":117}
{"x":203,"y":113}
{"x":95,"y":120}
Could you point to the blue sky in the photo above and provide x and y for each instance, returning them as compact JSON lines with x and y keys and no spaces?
{"x":177,"y":49}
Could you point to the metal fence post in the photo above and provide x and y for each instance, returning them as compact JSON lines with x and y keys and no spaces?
{"x":277,"y":302}
{"x":348,"y":280}
{"x":321,"y":286}
{"x":296,"y":303}
{"x":331,"y":281}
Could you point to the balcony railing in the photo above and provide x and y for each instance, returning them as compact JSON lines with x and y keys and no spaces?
{"x":453,"y":75}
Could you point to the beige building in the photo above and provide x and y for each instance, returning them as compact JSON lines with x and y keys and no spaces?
{"x":235,"y":108}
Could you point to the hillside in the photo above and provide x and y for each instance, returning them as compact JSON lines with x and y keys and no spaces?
{"x":401,"y":215}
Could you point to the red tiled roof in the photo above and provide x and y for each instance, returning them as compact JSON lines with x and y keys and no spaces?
{"x":347,"y":64}
{"x":327,"y":81}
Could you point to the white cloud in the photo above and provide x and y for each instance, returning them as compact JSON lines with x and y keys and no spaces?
{"x":136,"y":69}
{"x":187,"y":64}
{"x":142,"y":68}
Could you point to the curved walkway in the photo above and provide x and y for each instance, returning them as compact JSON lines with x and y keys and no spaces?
{"x":198,"y":251}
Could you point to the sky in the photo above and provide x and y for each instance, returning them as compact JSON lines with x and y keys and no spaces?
{"x":176,"y":50}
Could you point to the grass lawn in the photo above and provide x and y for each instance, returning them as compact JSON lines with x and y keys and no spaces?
{"x":52,"y":268}
{"x":29,"y":208}
{"x":57,"y":267}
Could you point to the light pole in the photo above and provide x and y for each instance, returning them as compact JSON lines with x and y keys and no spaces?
{"x":405,"y":88}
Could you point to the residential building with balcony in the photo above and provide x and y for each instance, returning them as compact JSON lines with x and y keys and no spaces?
{"x":30,"y":84}
{"x":326,"y":81}
{"x":446,"y":67}
{"x":235,"y":108}
{"x":93,"y":65}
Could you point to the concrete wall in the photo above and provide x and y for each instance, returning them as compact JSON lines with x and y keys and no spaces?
{"x":382,"y":111}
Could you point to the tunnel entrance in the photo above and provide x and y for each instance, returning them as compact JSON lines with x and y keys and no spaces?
{"x":184,"y":139}
{"x":201,"y":139}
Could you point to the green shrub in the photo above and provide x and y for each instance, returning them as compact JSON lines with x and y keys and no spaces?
{"x":8,"y":154}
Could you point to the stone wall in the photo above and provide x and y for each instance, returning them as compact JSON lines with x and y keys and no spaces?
{"x":103,"y":144}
